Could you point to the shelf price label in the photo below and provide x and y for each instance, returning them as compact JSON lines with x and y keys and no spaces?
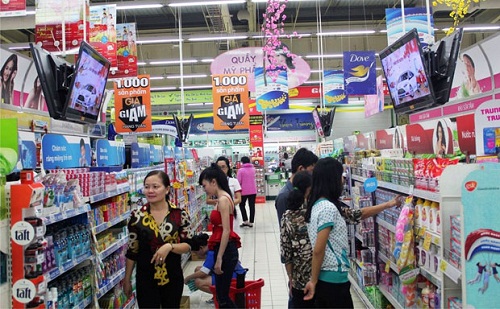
{"x":443,"y":265}
{"x":387,"y":267}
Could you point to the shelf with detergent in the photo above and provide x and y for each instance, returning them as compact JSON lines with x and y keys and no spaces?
{"x":106,"y":225}
{"x":70,"y":213}
{"x":115,"y":246}
{"x":361,"y":294}
{"x":432,"y":277}
{"x":120,"y":189}
{"x":384,"y":258}
{"x":84,"y":303}
{"x":428,"y":235}
{"x":115,"y":279}
{"x":386,"y":224}
{"x":389,"y":297}
{"x":65,"y":267}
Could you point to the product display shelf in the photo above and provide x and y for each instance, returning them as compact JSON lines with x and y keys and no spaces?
{"x":390,"y":298}
{"x":84,"y":303}
{"x":111,"y":284}
{"x":424,"y":233}
{"x":434,"y":278}
{"x":65,"y":267}
{"x":360,"y":293}
{"x":450,"y":271}
{"x":70,"y":213}
{"x":120,"y":189}
{"x":386,"y":224}
{"x":130,"y":303}
{"x":115,"y":246}
{"x":106,"y":225}
{"x":384,"y":258}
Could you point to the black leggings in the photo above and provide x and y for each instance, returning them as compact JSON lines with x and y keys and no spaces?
{"x":251,"y":206}
{"x":150,"y":295}
{"x":333,"y":295}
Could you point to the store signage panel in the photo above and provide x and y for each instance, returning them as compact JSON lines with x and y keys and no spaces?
{"x":156,"y":153}
{"x":110,"y":153}
{"x":435,"y":136}
{"x":126,"y":51}
{"x":490,"y":48}
{"x":61,"y":151}
{"x":416,"y":17}
{"x":271,"y":89}
{"x":374,"y":103}
{"x":384,"y":138}
{"x":290,"y":122}
{"x":102,"y":35}
{"x":166,"y":126}
{"x":466,"y":134}
{"x":487,"y":128}
{"x":304,"y":92}
{"x":360,"y":72}
{"x":12,"y":8}
{"x":464,"y":107}
{"x":27,"y":150}
{"x":230,"y":97}
{"x":140,"y":155}
{"x":133,"y":105}
{"x":426,"y":115}
{"x":8,"y":145}
{"x":334,"y":87}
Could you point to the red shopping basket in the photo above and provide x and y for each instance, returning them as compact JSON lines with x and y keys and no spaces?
{"x":251,"y":290}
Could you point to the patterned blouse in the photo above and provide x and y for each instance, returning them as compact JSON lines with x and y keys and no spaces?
{"x":351,"y":216}
{"x":145,"y":237}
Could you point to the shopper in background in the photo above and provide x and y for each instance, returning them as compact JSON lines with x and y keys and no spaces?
{"x":158,"y":235}
{"x":246,"y":178}
{"x":303,"y":160}
{"x":296,"y":250}
{"x":287,"y":162}
{"x":234,"y":184}
{"x":327,"y":231}
{"x":224,"y":241}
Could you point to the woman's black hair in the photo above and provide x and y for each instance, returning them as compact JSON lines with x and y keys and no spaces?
{"x":229,"y":171}
{"x":245,"y":160}
{"x":301,"y":181}
{"x":214,"y":172}
{"x":164,"y":179}
{"x":470,"y":60}
{"x":82,"y":143}
{"x":326,"y":183}
{"x":198,"y":241}
{"x":443,"y":138}
{"x":283,"y":49}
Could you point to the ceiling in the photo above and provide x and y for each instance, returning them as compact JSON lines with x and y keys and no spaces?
{"x":307,"y":17}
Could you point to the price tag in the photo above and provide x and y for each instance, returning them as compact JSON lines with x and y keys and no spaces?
{"x":443,"y":265}
{"x":387,"y":267}
{"x":427,"y":241}
{"x":411,"y":190}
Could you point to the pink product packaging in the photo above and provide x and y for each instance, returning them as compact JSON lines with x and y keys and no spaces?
{"x":454,"y":233}
{"x":455,"y":259}
{"x":455,"y":221}
{"x":455,"y":246}
{"x":454,"y":303}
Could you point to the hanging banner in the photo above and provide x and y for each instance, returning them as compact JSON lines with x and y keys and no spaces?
{"x":334,"y":87}
{"x":140,"y":155}
{"x":256,"y":132}
{"x":103,"y":31}
{"x":360,"y":72}
{"x":110,"y":153}
{"x":414,"y":18}
{"x":52,"y":15}
{"x":230,"y":96}
{"x":12,"y":8}
{"x":487,"y":127}
{"x":374,"y":103}
{"x":133,"y":105}
{"x":126,"y":51}
{"x":271,"y":94}
{"x":61,"y":151}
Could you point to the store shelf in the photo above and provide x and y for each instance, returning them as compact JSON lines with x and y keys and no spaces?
{"x":384,"y":258}
{"x":84,"y":303}
{"x":359,"y":236}
{"x":358,"y":178}
{"x":450,"y":271}
{"x":111,"y":284}
{"x":361,"y":294}
{"x":56,"y":272}
{"x":389,"y":297}
{"x":106,"y":225}
{"x":386,"y":224}
{"x":70,"y":213}
{"x":435,"y":237}
{"x":432,"y":277}
{"x":184,"y":259}
{"x":115,"y":246}
{"x":120,"y":189}
{"x":130,"y":303}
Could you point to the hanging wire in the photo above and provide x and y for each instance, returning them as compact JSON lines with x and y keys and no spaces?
{"x":319,"y":29}
{"x":181,"y":65}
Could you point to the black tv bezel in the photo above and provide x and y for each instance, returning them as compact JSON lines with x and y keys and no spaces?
{"x":76,"y":115}
{"x":418,"y":103}
{"x":326,"y":120}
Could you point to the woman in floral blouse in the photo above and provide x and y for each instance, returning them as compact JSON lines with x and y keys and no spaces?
{"x":158,"y":233}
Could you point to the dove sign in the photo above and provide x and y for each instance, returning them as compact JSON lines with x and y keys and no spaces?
{"x":357,"y":58}
{"x":359,"y":72}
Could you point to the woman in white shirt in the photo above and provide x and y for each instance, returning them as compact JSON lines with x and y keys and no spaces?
{"x":234,"y":185}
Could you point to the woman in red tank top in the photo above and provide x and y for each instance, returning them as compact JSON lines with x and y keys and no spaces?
{"x":224,"y":241}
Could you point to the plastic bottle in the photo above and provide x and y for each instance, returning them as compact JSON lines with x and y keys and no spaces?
{"x":54,"y":298}
{"x":433,"y":215}
{"x":437,"y":298}
{"x":438,"y":219}
{"x":49,"y":302}
{"x":425,"y":296}
{"x":418,"y":212}
{"x":426,"y":208}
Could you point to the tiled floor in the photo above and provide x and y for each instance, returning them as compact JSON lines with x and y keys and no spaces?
{"x":260,"y":254}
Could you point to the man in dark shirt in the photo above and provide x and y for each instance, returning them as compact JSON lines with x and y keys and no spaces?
{"x":303,"y":160}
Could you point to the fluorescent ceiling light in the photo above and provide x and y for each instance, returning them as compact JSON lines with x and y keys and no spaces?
{"x":207,"y":60}
{"x":197,"y":87}
{"x":141,"y":63}
{"x":158,"y":41}
{"x":353,"y":32}
{"x":383,"y":31}
{"x":172,"y":62}
{"x":139,"y":6}
{"x":19,"y":47}
{"x":316,"y":71}
{"x":162,"y":88}
{"x":196,"y":3}
{"x":211,"y":38}
{"x":262,"y":1}
{"x":156,"y":77}
{"x":325,"y":56}
{"x":479,"y":28}
{"x":312,"y":82}
{"x":284,"y":35}
{"x":186,"y":76}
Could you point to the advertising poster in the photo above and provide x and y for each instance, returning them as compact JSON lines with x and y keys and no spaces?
{"x":374,"y":103}
{"x":245,"y":60}
{"x":481,"y":237}
{"x":126,"y":51}
{"x":360,"y":72}
{"x":384,"y":138}
{"x":414,"y":18}
{"x":289,"y":122}
{"x":110,"y":153}
{"x":8,"y":145}
{"x":466,"y":131}
{"x":487,"y":128}
{"x":27,"y":150}
{"x":156,"y":153}
{"x":49,"y":19}
{"x":133,"y":105}
{"x":12,"y":8}
{"x":305,"y":92}
{"x":256,"y":132}
{"x":432,"y":137}
{"x":334,"y":87}
{"x":166,"y":126}
{"x":230,"y":97}
{"x":102,"y":35}
{"x":271,"y":94}
{"x":140,"y":154}
{"x":59,"y":151}
{"x":350,"y":143}
{"x":490,"y":48}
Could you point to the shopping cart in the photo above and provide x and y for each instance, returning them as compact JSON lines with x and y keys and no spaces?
{"x":251,"y":291}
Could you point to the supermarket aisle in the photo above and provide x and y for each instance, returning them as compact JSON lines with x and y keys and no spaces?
{"x":260,"y":254}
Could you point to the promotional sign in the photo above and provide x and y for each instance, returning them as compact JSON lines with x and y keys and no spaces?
{"x":230,"y":96}
{"x":102,"y":34}
{"x":370,"y":185}
{"x":132,"y":105}
{"x":481,"y":237}
{"x":350,"y":143}
{"x":374,"y":103}
{"x":126,"y":51}
{"x":12,"y":8}
{"x":140,"y":155}
{"x":435,"y":136}
{"x":466,"y":134}
{"x":365,"y":140}
{"x":360,"y":72}
{"x":8,"y":145}
{"x":487,"y":127}
{"x":166,"y":126}
{"x":334,"y":87}
{"x":384,"y":138}
{"x":110,"y":153}
{"x":245,"y":60}
{"x":289,"y":122}
{"x":61,"y":151}
{"x":27,"y":150}
{"x":49,"y":19}
{"x":256,"y":137}
{"x":271,"y":94}
{"x":414,"y":18}
{"x":156,"y":153}
{"x":305,"y":92}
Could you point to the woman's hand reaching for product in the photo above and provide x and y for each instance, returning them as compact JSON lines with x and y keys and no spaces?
{"x":398,"y":201}
{"x":218,"y":267}
{"x":161,"y":254}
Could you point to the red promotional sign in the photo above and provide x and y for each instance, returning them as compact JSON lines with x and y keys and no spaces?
{"x":431,"y":137}
{"x":362,"y":141}
{"x":419,"y":140}
{"x":12,"y":8}
{"x":305,"y":92}
{"x":126,"y":51}
{"x":256,"y":136}
{"x":466,"y":134}
{"x":384,"y":139}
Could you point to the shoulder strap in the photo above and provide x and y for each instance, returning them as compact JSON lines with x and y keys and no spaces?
{"x":230,"y":200}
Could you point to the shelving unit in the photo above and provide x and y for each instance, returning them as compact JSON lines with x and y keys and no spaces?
{"x":390,"y":298}
{"x":360,"y":293}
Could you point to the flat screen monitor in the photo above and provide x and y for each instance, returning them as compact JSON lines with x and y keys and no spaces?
{"x":86,"y":93}
{"x":55,"y":75}
{"x":406,"y":74}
